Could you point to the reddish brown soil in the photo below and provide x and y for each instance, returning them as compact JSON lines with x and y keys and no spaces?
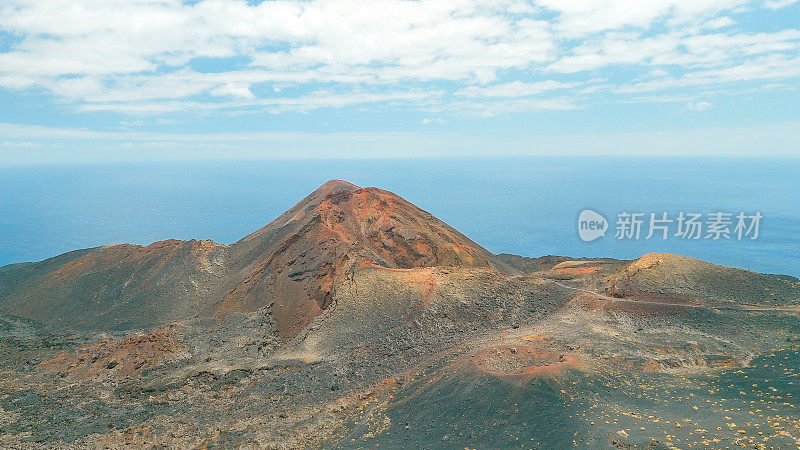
{"x":123,"y":358}
{"x":516,"y":361}
{"x":535,"y":337}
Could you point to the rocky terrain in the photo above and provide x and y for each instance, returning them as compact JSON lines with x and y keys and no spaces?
{"x":358,"y":320}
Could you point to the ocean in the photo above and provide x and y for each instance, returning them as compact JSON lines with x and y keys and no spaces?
{"x":527,"y":206}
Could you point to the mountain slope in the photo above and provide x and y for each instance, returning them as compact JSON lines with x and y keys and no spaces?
{"x":297,"y":261}
{"x":292,"y":266}
{"x":659,"y":274}
{"x":112,"y":287}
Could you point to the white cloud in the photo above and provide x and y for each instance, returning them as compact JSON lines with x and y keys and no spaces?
{"x":698,"y":106}
{"x":492,"y":108}
{"x":582,"y":17}
{"x":147,"y":56}
{"x":778,"y":4}
{"x":719,"y":22}
{"x":514,"y":89}
{"x":771,"y":67}
{"x":683,"y":48}
{"x":275,"y":105}
{"x":233,"y":90}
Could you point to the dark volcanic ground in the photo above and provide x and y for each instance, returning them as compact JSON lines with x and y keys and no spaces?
{"x":356,"y":320}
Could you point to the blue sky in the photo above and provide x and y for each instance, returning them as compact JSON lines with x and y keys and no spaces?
{"x":133,"y":80}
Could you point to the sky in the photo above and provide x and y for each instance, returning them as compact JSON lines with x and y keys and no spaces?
{"x":141,"y":80}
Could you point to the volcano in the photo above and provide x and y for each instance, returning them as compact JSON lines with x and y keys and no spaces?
{"x":293,"y":266}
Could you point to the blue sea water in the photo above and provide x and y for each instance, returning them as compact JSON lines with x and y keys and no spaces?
{"x":526,"y":206}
